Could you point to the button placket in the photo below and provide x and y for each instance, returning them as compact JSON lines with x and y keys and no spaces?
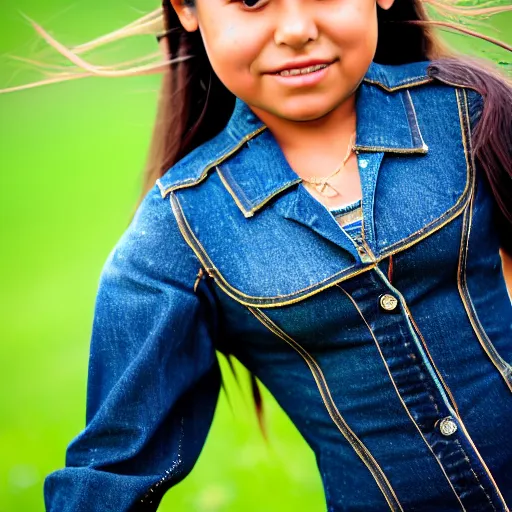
{"x":426,"y":403}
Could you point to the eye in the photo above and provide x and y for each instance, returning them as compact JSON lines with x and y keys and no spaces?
{"x":252,"y":4}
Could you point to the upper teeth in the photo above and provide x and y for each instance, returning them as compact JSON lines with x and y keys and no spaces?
{"x":302,"y":71}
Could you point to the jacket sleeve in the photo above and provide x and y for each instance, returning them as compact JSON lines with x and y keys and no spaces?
{"x":153,"y":378}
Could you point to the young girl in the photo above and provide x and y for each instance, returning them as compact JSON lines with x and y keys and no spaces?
{"x":333,"y":196}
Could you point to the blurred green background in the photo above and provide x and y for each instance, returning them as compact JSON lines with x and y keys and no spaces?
{"x":71,"y":158}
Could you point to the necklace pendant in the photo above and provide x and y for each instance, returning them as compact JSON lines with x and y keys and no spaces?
{"x":326,"y":190}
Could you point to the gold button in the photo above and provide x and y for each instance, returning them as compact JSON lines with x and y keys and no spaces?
{"x":447,"y":426}
{"x":388,"y":302}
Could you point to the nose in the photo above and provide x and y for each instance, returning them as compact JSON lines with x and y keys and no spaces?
{"x":295,"y":26}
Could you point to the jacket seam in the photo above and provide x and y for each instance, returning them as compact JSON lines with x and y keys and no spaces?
{"x":416,"y":123}
{"x":200,"y":260}
{"x":387,"y":149}
{"x":452,"y":399}
{"x":263,"y":202}
{"x":188,"y":182}
{"x":405,"y":107}
{"x":431,"y":359}
{"x":251,"y":208}
{"x":202,"y":267}
{"x":168,"y":474}
{"x":246,"y":211}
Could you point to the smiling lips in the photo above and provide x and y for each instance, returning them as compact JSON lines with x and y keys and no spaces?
{"x":301,"y":68}
{"x":301,"y":71}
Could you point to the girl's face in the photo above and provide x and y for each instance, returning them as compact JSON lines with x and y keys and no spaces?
{"x":258,"y":48}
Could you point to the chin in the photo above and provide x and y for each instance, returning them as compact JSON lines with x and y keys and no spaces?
{"x":304,"y":111}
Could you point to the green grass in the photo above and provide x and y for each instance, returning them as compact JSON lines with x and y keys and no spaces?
{"x":70,"y":165}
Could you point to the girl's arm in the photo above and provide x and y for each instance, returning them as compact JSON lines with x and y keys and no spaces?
{"x":153,"y":374}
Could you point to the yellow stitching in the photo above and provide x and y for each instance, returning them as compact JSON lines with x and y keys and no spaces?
{"x":278,"y":191}
{"x":475,"y":475}
{"x":300,"y":295}
{"x":397,"y":391}
{"x":160,"y":186}
{"x":453,"y":84}
{"x":270,"y":301}
{"x":249,"y":213}
{"x":368,"y":250}
{"x":436,"y":228}
{"x":179,"y":218}
{"x":165,"y":191}
{"x":336,"y":416}
{"x":213,"y":164}
{"x":403,"y":247}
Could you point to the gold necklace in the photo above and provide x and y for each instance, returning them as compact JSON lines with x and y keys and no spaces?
{"x":321,"y":184}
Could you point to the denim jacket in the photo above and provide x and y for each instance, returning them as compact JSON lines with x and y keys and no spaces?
{"x":391,"y":352}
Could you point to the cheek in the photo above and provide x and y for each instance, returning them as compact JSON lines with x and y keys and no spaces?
{"x":355,"y":34}
{"x":230,"y":52}
{"x":355,"y":27}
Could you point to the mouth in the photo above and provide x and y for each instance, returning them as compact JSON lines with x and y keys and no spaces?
{"x":305,"y":76}
{"x":301,"y":71}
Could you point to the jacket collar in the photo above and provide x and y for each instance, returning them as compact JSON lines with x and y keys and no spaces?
{"x":394,"y":78}
{"x":252,"y":166}
{"x":386,"y":118}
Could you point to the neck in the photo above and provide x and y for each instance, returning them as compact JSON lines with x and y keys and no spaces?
{"x":325,"y":132}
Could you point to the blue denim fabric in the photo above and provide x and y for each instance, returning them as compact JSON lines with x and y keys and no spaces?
{"x":391,"y":354}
